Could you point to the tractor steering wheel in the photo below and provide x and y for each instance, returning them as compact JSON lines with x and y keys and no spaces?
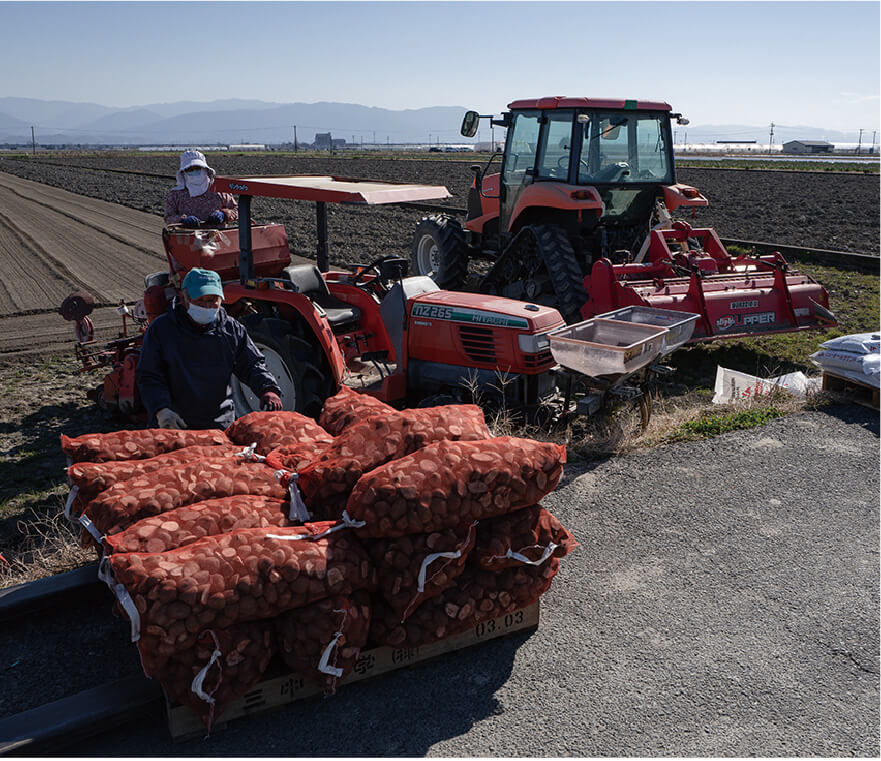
{"x":383,"y":269}
{"x":563,"y":164}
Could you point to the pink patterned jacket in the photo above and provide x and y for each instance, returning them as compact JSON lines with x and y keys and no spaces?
{"x":179,"y":204}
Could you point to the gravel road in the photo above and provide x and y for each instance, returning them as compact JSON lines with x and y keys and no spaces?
{"x":723,"y":602}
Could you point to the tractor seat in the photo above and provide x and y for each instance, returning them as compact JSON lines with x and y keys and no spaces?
{"x":309,"y":282}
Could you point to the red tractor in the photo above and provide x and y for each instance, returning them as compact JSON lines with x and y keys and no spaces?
{"x":401,"y":339}
{"x":579,"y":217}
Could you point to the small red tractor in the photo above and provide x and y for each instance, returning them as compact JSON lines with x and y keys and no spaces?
{"x":401,"y":339}
{"x":579,"y":217}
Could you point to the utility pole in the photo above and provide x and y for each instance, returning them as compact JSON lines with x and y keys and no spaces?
{"x":860,"y":143}
{"x":374,"y":138}
{"x":33,"y":141}
{"x":873,"y":141}
{"x":771,"y":139}
{"x":295,"y":137}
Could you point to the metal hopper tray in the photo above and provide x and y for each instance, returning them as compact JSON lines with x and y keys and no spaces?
{"x":600,"y":347}
{"x":680,"y":325}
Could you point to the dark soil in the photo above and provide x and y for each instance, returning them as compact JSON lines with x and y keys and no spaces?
{"x":829,"y":210}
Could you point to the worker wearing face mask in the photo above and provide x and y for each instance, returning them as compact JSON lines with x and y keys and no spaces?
{"x":192,"y":202}
{"x":189,"y":355}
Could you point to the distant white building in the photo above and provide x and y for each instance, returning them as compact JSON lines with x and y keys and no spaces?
{"x":248,"y":147}
{"x":808,"y":146}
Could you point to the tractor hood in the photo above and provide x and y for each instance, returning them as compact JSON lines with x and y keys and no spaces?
{"x":480,"y":309}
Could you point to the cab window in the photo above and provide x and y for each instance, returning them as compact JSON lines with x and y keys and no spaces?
{"x":623,"y":148}
{"x":522,"y":143}
{"x":556,"y":146}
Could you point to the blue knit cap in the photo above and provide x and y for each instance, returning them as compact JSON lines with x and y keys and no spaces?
{"x":199,"y":282}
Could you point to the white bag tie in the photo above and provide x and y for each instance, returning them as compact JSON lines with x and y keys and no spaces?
{"x":325,"y":657}
{"x":69,"y":504}
{"x":199,"y":679}
{"x":429,"y":560}
{"x":548,"y":551}
{"x":91,"y":528}
{"x":299,"y":511}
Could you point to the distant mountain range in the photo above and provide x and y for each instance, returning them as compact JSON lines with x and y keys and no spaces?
{"x":236,"y":121}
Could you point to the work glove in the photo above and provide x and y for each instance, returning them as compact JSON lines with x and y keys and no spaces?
{"x":215,"y":219}
{"x":270,"y":402}
{"x":190,"y":221}
{"x":168,"y":418}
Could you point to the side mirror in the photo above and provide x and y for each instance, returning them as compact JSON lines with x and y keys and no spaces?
{"x":470,"y":124}
{"x":681,"y":120}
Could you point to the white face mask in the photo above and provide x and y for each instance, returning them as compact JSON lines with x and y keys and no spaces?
{"x":202,"y":315}
{"x":197,"y":182}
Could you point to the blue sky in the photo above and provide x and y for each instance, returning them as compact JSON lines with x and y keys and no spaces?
{"x":794,"y":63}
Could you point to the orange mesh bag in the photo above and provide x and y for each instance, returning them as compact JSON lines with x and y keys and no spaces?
{"x":247,"y":575}
{"x":127,"y":502}
{"x":322,"y":641}
{"x":329,"y":479}
{"x":136,"y":445}
{"x":295,"y":457}
{"x":221,"y":667}
{"x":270,"y":430}
{"x":91,"y":478}
{"x":449,"y":483}
{"x":474,"y":597}
{"x":348,"y":407}
{"x":410,"y":569}
{"x":188,"y":524}
{"x":528,"y":536}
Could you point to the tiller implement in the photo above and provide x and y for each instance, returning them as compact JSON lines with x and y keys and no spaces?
{"x":689,"y":270}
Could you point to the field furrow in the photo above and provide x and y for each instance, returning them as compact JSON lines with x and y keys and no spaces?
{"x":53,"y":242}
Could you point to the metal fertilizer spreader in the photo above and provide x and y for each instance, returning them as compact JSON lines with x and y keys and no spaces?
{"x":619,"y":346}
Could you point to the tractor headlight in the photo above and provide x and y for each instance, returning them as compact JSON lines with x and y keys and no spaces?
{"x":533,"y":343}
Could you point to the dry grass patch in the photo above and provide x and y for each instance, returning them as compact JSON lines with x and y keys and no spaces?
{"x":50,"y":545}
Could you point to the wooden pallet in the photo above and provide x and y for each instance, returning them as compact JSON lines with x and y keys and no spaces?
{"x":279,"y":691}
{"x":852,"y":390}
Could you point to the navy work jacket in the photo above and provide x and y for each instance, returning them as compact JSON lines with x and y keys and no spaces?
{"x":189,"y":369}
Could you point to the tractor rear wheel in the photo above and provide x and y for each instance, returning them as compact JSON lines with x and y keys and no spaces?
{"x":292,"y":360}
{"x":540,"y":266}
{"x":440,"y":252}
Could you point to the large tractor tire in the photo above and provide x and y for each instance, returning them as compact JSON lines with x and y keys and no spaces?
{"x":540,"y":266}
{"x":439,"y":251}
{"x":294,"y":361}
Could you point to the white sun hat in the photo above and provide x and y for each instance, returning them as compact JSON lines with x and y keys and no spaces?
{"x":192,"y":158}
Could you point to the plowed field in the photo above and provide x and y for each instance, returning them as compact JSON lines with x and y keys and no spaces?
{"x":829,"y":210}
{"x":54,"y":240}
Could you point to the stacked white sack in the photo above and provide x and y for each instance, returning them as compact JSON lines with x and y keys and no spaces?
{"x":856,"y":357}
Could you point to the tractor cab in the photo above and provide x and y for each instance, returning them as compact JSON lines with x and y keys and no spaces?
{"x":598,"y":168}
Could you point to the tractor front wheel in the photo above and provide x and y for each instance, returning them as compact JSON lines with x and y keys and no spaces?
{"x":291,"y":359}
{"x":440,"y":252}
